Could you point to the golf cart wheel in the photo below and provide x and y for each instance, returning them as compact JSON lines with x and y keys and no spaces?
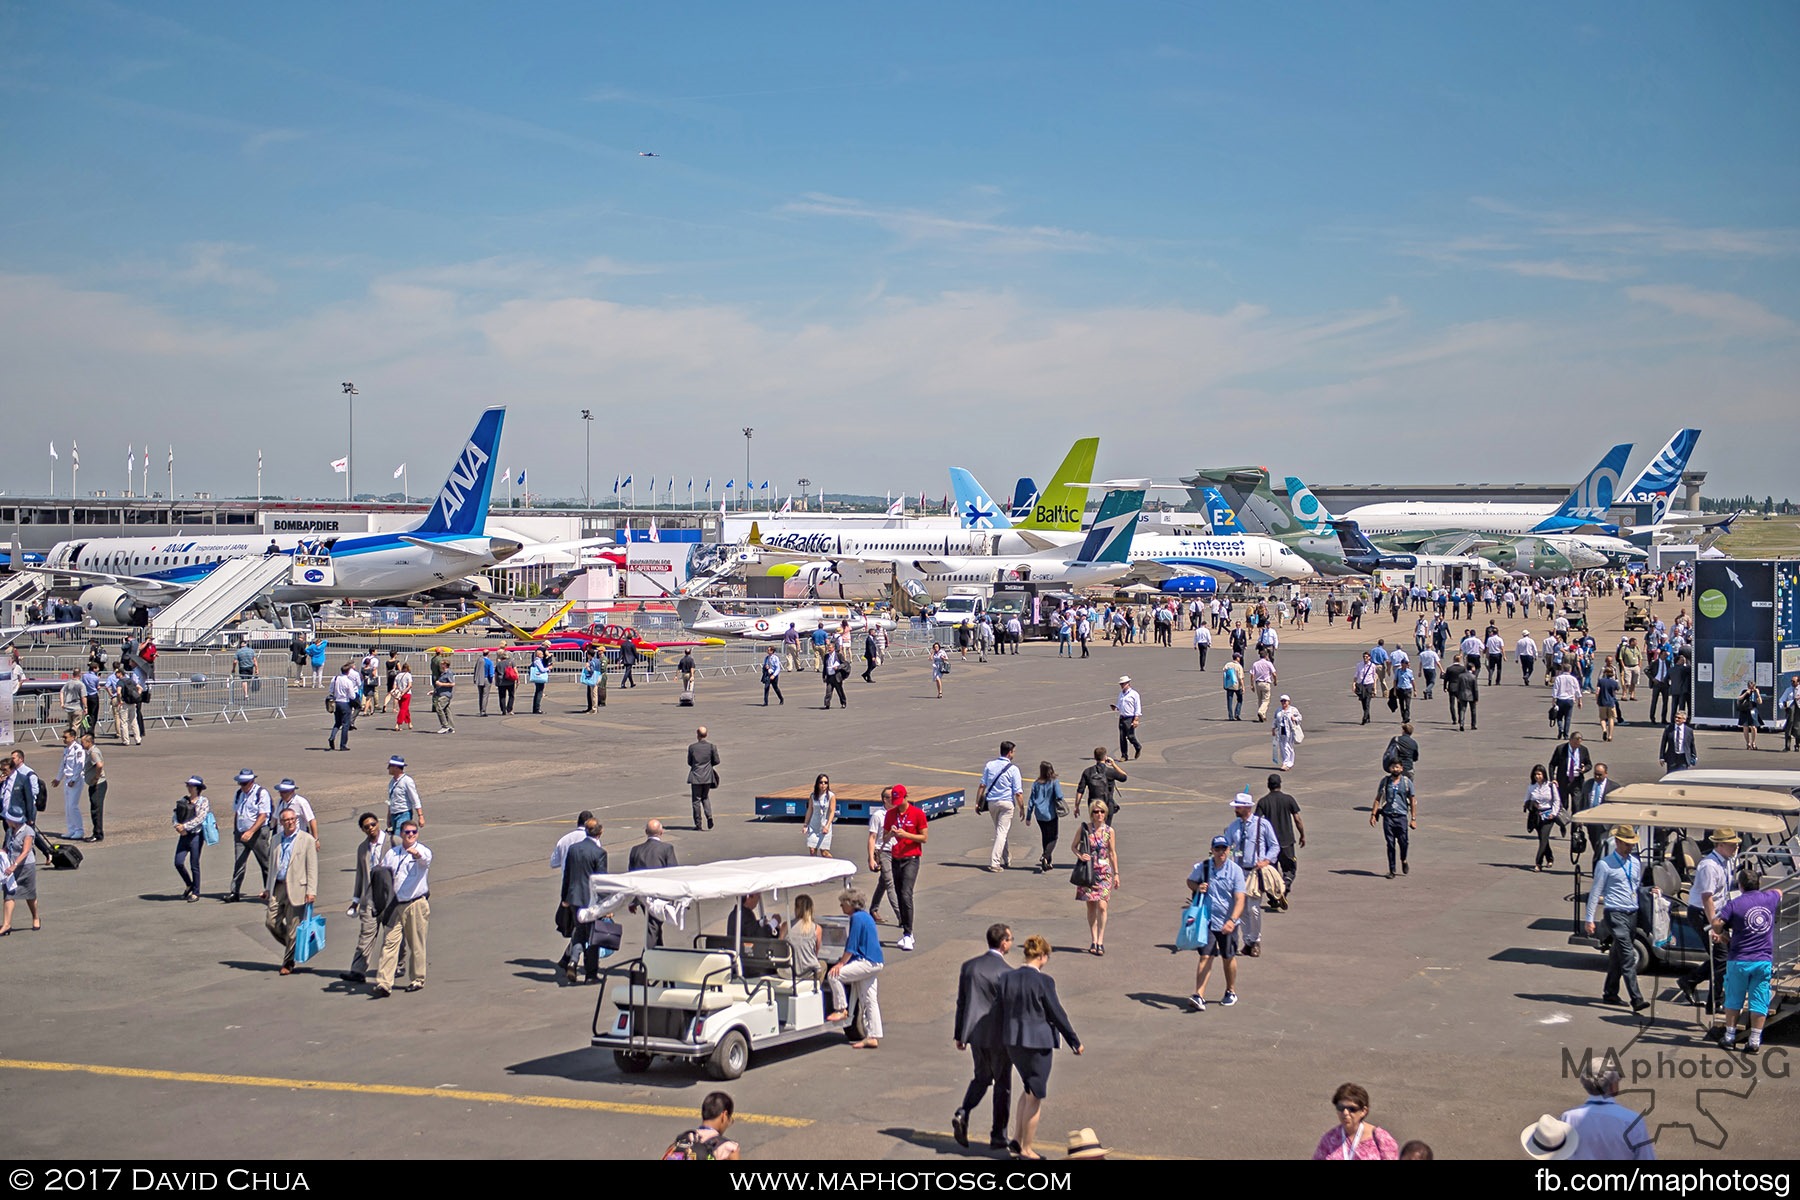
{"x":730,"y":1056}
{"x":631,"y":1062}
{"x":1646,"y":964}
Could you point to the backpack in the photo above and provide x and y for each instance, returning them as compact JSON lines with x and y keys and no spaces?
{"x":1098,"y":784}
{"x":130,"y":692}
{"x":1391,"y":755}
{"x":691,"y":1146}
{"x":39,"y":795}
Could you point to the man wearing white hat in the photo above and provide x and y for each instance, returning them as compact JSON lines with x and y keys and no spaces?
{"x":1130,"y":707}
{"x":1284,"y":733}
{"x":1615,"y":883}
{"x":403,"y":796}
{"x":251,"y":812}
{"x":1549,"y":1138}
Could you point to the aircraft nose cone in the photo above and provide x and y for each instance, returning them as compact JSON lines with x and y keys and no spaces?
{"x":503,"y":548}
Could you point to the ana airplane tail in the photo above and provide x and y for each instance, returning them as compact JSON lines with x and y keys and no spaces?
{"x":975,"y":508}
{"x":1109,"y":538}
{"x":1649,"y":494}
{"x":1221,"y":518}
{"x":1594,"y":495}
{"x":462,"y":503}
{"x":1025,"y":494}
{"x":1064,"y":499}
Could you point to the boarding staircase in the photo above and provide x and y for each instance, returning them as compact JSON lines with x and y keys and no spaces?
{"x":16,"y":592}
{"x":216,"y":600}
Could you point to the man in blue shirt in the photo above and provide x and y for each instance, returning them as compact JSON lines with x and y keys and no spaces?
{"x":858,"y":967}
{"x":1221,"y":881}
{"x":1605,"y":1130}
{"x":1254,"y":846}
{"x":1379,"y":656}
{"x":1615,"y":884}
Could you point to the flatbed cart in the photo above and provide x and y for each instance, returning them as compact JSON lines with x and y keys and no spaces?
{"x":856,"y":801}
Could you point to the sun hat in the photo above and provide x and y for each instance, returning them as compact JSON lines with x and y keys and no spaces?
{"x":1549,"y":1138}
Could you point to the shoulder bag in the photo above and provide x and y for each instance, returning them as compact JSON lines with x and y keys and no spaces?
{"x":1083,"y":873}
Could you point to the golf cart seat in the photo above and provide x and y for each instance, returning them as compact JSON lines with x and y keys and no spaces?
{"x":683,"y":979}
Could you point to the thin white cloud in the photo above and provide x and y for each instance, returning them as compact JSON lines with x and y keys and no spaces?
{"x":1648,"y":235}
{"x":920,"y":225}
{"x":1727,"y":312}
{"x":1558,"y":268}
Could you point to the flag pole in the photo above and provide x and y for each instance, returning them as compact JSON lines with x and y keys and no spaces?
{"x":172,"y":473}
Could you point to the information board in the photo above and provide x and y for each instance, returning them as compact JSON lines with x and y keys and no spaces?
{"x":1734,"y":636}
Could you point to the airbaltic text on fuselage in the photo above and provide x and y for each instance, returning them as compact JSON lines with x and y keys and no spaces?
{"x":462,"y":477}
{"x":805,"y":543}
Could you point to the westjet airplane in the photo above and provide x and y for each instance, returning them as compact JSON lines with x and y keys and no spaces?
{"x":118,"y":575}
{"x":1104,"y":555}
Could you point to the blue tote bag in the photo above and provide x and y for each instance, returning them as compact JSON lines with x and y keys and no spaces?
{"x":310,"y":939}
{"x":1194,"y":922}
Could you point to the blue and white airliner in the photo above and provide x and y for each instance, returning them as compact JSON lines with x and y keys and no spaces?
{"x":449,"y":544}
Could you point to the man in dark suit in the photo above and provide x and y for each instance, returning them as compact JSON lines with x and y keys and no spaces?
{"x":1471,"y":695}
{"x":647,"y":855}
{"x":1677,"y":749}
{"x":703,"y":775}
{"x":1569,"y":767}
{"x":1681,"y":684}
{"x":978,"y":1031}
{"x":584,"y":860}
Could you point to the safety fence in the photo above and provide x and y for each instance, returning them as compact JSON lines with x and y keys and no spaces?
{"x":39,"y":716}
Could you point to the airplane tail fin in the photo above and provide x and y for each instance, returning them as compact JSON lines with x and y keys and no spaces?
{"x":1064,"y":499}
{"x":1595,"y":494}
{"x":1025,"y":494}
{"x":755,"y":538}
{"x":1312,"y":515}
{"x":691,"y":609}
{"x":1649,"y":494}
{"x":1352,"y":539}
{"x":1247,"y":490}
{"x":1109,"y":538}
{"x":461,"y":506}
{"x":975,"y":507}
{"x":1220,"y":516}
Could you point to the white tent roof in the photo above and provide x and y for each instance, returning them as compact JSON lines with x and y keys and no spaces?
{"x":733,"y":877}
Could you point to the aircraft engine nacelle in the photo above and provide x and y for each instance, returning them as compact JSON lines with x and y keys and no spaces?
{"x":107,"y":605}
{"x":815,"y":573}
{"x":1190,"y":585}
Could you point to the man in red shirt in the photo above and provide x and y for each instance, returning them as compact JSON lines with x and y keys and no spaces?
{"x":906,"y":826}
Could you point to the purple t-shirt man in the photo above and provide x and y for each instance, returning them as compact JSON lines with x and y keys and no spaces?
{"x":1751,"y":918}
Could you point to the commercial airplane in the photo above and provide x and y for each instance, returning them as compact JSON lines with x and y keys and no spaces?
{"x":1220,"y":517}
{"x":1160,"y":558}
{"x":1648,"y":496}
{"x":121,"y":576}
{"x":1367,"y":558}
{"x":1584,"y":510}
{"x":1302,"y":530}
{"x":701,"y":617}
{"x":1104,"y":556}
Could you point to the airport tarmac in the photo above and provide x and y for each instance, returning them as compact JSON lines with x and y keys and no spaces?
{"x":145,"y":1027}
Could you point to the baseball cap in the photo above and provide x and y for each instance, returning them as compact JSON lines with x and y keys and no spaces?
{"x":899,"y":791}
{"x":196,"y":781}
{"x":396,"y":761}
{"x":246,"y":775}
{"x":1221,"y":843}
{"x":1286,"y":697}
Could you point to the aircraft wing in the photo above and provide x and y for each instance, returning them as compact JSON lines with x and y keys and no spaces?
{"x":449,"y":551}
{"x":147,"y":591}
{"x":537,"y":550}
{"x":1036,"y":541}
{"x":937,"y":566}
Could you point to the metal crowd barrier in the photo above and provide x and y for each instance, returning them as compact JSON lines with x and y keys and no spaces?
{"x":172,"y":702}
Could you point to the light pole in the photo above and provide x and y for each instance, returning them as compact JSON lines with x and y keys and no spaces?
{"x":587,"y":490}
{"x":804,"y":484}
{"x":350,"y":454}
{"x":747,"y":432}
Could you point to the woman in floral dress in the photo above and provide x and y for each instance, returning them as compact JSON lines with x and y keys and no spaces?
{"x":1096,"y":842}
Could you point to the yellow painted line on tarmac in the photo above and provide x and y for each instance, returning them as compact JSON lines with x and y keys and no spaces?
{"x":388,"y":1089}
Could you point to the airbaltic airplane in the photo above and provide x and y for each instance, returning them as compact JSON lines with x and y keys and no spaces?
{"x":1103,"y":557}
{"x":1159,"y":557}
{"x":120,"y":573}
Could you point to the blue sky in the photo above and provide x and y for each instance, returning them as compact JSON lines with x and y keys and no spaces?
{"x":1397,"y":241}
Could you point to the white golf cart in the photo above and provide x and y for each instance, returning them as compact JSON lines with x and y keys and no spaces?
{"x":720,"y":998}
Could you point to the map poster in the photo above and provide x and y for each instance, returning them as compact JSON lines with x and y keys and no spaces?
{"x":1734,"y":635}
{"x":1787,"y":623}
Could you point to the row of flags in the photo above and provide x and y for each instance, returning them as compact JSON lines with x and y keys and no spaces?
{"x":130,"y":456}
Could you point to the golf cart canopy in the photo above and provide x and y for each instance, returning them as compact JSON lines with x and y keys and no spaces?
{"x":1742,"y":799}
{"x":731,"y":878}
{"x":1674,"y":816}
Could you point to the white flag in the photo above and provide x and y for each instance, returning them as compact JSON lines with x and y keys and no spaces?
{"x":788,"y":506}
{"x":53,"y":450}
{"x":506,"y":475}
{"x":75,"y":453}
{"x":340,"y":465}
{"x":399,"y":470}
{"x":654,"y":536}
{"x":172,"y":457}
{"x":130,"y":457}
{"x":897,"y":508}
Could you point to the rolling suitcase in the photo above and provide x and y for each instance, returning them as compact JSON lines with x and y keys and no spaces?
{"x":62,"y":856}
{"x":687,"y":691}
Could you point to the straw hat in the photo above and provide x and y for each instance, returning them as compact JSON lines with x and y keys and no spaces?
{"x":1624,"y":833}
{"x":1550,"y":1138}
{"x":1085,"y":1143}
{"x":1724,"y":835}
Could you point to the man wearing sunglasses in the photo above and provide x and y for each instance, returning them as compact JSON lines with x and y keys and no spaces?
{"x":410,"y":862}
{"x":369,"y":854}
